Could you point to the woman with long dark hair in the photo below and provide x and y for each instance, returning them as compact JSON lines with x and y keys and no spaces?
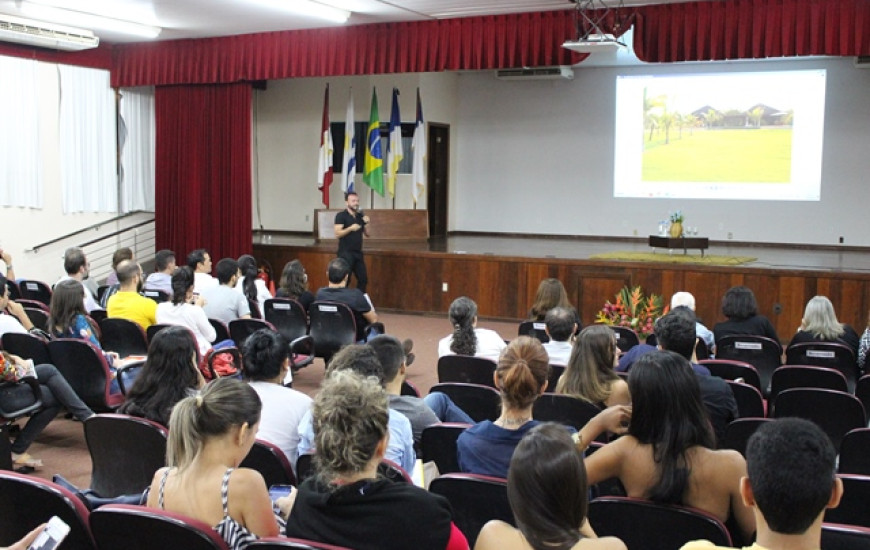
{"x":253,"y":287}
{"x":294,"y":284}
{"x":186,"y":311}
{"x":467,"y":338}
{"x":589,"y":374}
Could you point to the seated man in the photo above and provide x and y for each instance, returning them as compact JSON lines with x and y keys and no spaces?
{"x":561,"y":326}
{"x":164,"y":267}
{"x":422,"y":412}
{"x":364,"y":360}
{"x":127,"y":303}
{"x":338,"y":273}
{"x":791,"y":480}
{"x":77,"y":267}
{"x":200,"y":262}
{"x":685,"y":299}
{"x":223,"y":302}
{"x":17,"y":321}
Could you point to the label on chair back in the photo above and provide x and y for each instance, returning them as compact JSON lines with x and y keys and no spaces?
{"x":278,"y":305}
{"x":747,"y":345}
{"x":539,"y":326}
{"x":328,"y":309}
{"x":32,"y":286}
{"x":821,"y":354}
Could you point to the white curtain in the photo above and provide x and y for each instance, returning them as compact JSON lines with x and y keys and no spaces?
{"x":136,"y":141}
{"x":20,"y":166}
{"x":88,"y":160}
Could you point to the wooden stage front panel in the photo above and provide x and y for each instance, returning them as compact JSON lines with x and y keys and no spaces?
{"x":504,"y":287}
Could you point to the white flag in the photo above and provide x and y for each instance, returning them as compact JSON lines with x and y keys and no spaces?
{"x":418,"y":146}
{"x":349,"y":168}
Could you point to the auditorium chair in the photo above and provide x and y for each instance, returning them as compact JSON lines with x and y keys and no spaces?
{"x":35,"y":290}
{"x":825,"y":354}
{"x":158,"y":296}
{"x":749,"y":401}
{"x":333,"y":325}
{"x":855,"y":452}
{"x":410,"y":389}
{"x":728,"y":369}
{"x":765,"y":354}
{"x":835,"y":412}
{"x":564,"y":409}
{"x":438,"y":444}
{"x":129,"y":527}
{"x":282,"y":543}
{"x":556,"y":372}
{"x":854,"y":508}
{"x":466,"y":369}
{"x":152,"y":331}
{"x":738,"y":432}
{"x":478,"y":401}
{"x":271,"y":462}
{"x":836,"y":536}
{"x":862,"y":392}
{"x":13,"y":289}
{"x":123,"y":336}
{"x":288,"y":316}
{"x":535,"y":329}
{"x":17,"y":399}
{"x":98,"y":315}
{"x":26,"y":346}
{"x":475,"y":500}
{"x":87,"y":372}
{"x":37,"y":316}
{"x":220,"y":329}
{"x":240,"y":329}
{"x":787,"y":377}
{"x":625,"y":338}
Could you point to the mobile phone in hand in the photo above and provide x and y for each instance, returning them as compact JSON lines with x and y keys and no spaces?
{"x":278,"y":491}
{"x":51,"y":536}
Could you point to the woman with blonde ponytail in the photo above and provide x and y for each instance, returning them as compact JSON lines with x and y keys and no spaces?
{"x":209,"y":435}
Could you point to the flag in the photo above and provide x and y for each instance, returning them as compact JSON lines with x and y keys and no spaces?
{"x":394,"y":146}
{"x":418,"y":146}
{"x":373,"y":175}
{"x":324,"y":161}
{"x":349,"y":148}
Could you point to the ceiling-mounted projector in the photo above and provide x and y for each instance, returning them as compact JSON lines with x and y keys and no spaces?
{"x":45,"y":35}
{"x":595,"y":43}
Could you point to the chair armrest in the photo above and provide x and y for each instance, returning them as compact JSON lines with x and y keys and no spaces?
{"x":303,"y":345}
{"x":120,"y":371}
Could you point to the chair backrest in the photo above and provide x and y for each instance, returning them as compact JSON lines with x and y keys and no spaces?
{"x":438,"y":444}
{"x":158,"y":296}
{"x":825,"y":354}
{"x":855,"y":452}
{"x":35,"y":290}
{"x":787,"y":377}
{"x":14,"y":290}
{"x":125,"y":453}
{"x":37,"y":316}
{"x":701,"y":350}
{"x":143,"y":528}
{"x":304,"y":467}
{"x":288,"y":316}
{"x":750,"y":404}
{"x":762,"y":353}
{"x":565,"y":409}
{"x":862,"y":392}
{"x":644,"y":524}
{"x":728,"y":369}
{"x":20,"y":398}
{"x":836,"y":536}
{"x":854,"y":508}
{"x":556,"y":372}
{"x":279,"y":543}
{"x":222,"y":332}
{"x":332,"y":326}
{"x":409,"y":388}
{"x":625,"y":338}
{"x":835,"y":412}
{"x":86,"y":371}
{"x":153,"y":330}
{"x":739,"y":431}
{"x":466,"y":369}
{"x":33,"y":304}
{"x":478,"y":401}
{"x":393,"y":471}
{"x":98,"y":315}
{"x":123,"y":336}
{"x":475,"y":499}
{"x":271,"y":462}
{"x":535,"y":329}
{"x":27,"y":346}
{"x":240,"y":329}
{"x":27,"y":501}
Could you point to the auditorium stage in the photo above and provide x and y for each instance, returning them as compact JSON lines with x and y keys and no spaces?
{"x":502,"y":273}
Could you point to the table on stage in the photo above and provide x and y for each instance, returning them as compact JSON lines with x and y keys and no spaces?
{"x":701,"y":243}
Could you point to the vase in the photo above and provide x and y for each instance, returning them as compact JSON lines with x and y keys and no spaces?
{"x":676,"y":230}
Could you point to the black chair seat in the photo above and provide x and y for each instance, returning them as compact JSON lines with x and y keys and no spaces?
{"x":438,"y":444}
{"x":475,"y":499}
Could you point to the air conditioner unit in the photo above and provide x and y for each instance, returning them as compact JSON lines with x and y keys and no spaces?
{"x":559,"y":72}
{"x":862,"y":62}
{"x":45,"y":35}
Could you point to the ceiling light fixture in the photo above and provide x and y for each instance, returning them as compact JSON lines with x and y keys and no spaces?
{"x":309,"y":8}
{"x":89,"y":20}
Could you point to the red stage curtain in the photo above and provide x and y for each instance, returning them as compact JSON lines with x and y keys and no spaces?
{"x":203,"y":172}
{"x":749,"y":29}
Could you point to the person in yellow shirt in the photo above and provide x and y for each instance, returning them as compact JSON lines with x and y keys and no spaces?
{"x":127,"y":303}
{"x":791,"y":481}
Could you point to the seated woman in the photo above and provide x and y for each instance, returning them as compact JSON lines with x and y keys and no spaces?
{"x":294,"y":284}
{"x":184,"y":311}
{"x":589,"y":374}
{"x":546,"y":488}
{"x":170,"y":374}
{"x":209,"y":435}
{"x":467,"y":339}
{"x":668,"y":454}
{"x":551,"y":293}
{"x":521,"y":377}
{"x":741,"y":309}
{"x":253,"y":287}
{"x":346,"y":503}
{"x":820,"y":324}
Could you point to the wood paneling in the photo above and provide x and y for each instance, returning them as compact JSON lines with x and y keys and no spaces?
{"x":386,"y":224}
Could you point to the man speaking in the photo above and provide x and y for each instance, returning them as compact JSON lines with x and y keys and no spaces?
{"x":350,"y":226}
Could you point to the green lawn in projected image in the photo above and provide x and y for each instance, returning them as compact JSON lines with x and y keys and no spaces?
{"x":726,"y":155}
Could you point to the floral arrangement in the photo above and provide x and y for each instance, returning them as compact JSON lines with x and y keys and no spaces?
{"x":633,"y":310}
{"x":677,"y":217}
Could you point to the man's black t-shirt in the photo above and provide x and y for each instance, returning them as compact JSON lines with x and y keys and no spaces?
{"x":352,"y":242}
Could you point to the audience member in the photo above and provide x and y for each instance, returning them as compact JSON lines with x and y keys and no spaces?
{"x":338,"y":273}
{"x":668,"y":454}
{"x":467,"y":339}
{"x":127,"y":303}
{"x":209,"y":435}
{"x":7,"y":259}
{"x":791,"y":480}
{"x":76,"y":266}
{"x":186,"y":311}
{"x":199,"y":261}
{"x":363,"y":360}
{"x":741,"y":309}
{"x":266,"y":364}
{"x":222,"y":301}
{"x":864,"y":346}
{"x":561,"y":328}
{"x":13,"y":318}
{"x":546,"y":487}
{"x":486,"y":448}
{"x":119,"y":256}
{"x":347,"y":503}
{"x":294,"y":284}
{"x":685,"y":299}
{"x":250,"y":285}
{"x":164,"y":267}
{"x":421,"y":412}
{"x":169,"y":375}
{"x":820,"y":324}
{"x":551,"y":293}
{"x":589,"y":374}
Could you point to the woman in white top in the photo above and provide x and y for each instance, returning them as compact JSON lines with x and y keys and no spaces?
{"x":253,"y":287}
{"x":180,"y":311}
{"x":467,"y":339}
